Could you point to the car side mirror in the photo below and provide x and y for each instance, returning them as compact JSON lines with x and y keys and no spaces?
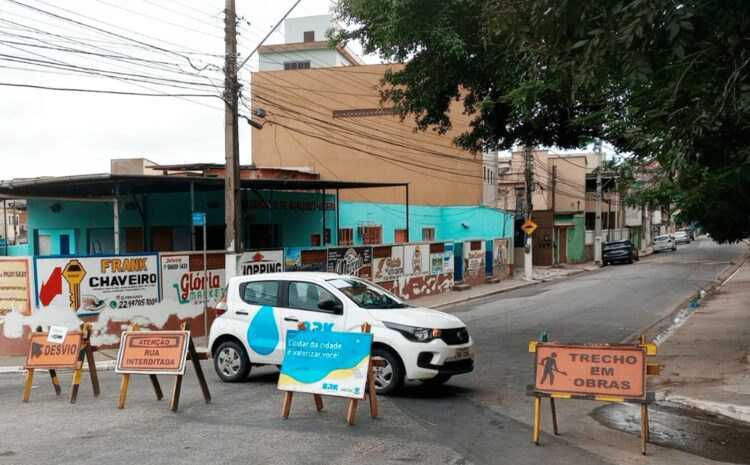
{"x":331,"y":305}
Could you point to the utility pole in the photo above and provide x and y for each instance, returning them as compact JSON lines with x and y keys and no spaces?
{"x":232,"y":213}
{"x":529,"y":171}
{"x":598,"y":225}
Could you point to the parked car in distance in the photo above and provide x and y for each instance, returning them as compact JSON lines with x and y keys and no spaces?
{"x":412,"y":343}
{"x":681,"y":237}
{"x":665,"y":242}
{"x":619,"y":251}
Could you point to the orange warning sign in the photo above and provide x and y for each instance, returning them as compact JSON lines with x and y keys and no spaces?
{"x":601,"y":370}
{"x":529,"y":226}
{"x":44,"y":354}
{"x":153,"y":352}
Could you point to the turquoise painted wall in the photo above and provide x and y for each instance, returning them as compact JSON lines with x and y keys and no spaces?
{"x":297,"y":221}
{"x":481,"y":222}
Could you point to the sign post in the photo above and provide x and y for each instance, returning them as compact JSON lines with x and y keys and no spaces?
{"x":199,"y":219}
{"x":158,"y":352}
{"x":603,"y":372}
{"x":45,"y":352}
{"x":329,"y":363}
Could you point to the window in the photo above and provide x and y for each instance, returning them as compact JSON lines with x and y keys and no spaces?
{"x":520,"y":192}
{"x":372,"y":235}
{"x":328,"y":236}
{"x":302,"y":64}
{"x":346,"y":236}
{"x":307,"y":296}
{"x":315,"y":240}
{"x":401,"y":236}
{"x":308,"y":36}
{"x":428,"y":234}
{"x":260,"y":293}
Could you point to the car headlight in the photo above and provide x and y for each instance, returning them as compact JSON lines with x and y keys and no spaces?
{"x":414,"y":333}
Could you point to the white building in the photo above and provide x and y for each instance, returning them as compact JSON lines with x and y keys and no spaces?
{"x":306,"y":46}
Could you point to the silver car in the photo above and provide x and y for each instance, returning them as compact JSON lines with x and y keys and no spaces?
{"x":681,"y":237}
{"x":664,"y":243}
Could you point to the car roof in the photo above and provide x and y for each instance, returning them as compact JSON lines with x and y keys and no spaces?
{"x":291,"y":275}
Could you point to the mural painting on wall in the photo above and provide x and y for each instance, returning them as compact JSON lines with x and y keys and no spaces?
{"x":88,"y":285}
{"x":15,"y":295}
{"x":387,"y":263}
{"x":299,"y":259}
{"x":420,"y":286}
{"x":474,"y":262}
{"x":261,"y":261}
{"x":183,"y":279}
{"x":416,"y":259}
{"x":353,"y":261}
{"x":500,"y":257}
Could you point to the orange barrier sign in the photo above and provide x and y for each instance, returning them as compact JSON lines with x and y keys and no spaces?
{"x":50,"y":355}
{"x":153,"y":352}
{"x":600,"y":370}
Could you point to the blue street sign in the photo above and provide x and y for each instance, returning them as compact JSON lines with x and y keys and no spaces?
{"x":199,"y":218}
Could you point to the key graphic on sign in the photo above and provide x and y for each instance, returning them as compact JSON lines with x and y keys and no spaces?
{"x":74,"y":274}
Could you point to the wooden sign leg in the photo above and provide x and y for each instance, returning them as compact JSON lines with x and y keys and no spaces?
{"x":157,"y":388}
{"x":554,"y":415}
{"x":537,"y":418}
{"x":55,"y":382}
{"x":176,"y":392}
{"x":77,"y":376}
{"x":351,"y":413}
{"x":318,"y":402}
{"x":287,"y":405}
{"x":644,"y":427}
{"x":123,"y":390}
{"x":27,"y":386}
{"x":193,"y":354}
{"x":92,"y":370}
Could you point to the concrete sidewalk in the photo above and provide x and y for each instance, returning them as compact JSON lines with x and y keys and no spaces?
{"x":706,"y":364}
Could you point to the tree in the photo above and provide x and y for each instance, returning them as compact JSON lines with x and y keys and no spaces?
{"x":666,"y":81}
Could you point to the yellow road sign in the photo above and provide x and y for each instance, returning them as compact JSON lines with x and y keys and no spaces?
{"x":529,"y":227}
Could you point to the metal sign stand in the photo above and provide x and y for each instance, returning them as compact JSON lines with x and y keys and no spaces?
{"x":651,"y":369}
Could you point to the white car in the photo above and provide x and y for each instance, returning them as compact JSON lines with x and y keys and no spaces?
{"x":681,"y":237}
{"x":665,"y":242}
{"x":414,"y":343}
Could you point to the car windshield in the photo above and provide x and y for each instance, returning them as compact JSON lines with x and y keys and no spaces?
{"x":365,"y":294}
{"x":661,"y":238}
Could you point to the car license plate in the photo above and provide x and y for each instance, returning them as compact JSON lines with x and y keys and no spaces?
{"x":462,"y":352}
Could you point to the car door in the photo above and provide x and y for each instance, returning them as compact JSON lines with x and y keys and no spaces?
{"x":301,"y":299}
{"x":259,"y":307}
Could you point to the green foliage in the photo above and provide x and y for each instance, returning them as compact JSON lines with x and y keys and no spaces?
{"x":666,"y":81}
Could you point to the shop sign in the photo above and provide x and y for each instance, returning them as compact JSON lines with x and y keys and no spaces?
{"x":352,"y":261}
{"x":184,"y":281}
{"x":88,"y":285}
{"x":389,"y":268}
{"x":260,"y":262}
{"x":14,"y":287}
{"x":416,"y":259}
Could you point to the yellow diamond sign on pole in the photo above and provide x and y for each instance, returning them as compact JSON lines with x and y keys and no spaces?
{"x":529,"y":227}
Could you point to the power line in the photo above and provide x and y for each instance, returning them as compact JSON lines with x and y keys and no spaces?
{"x":97,"y":91}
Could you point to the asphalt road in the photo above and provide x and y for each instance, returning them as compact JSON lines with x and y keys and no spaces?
{"x":481,"y":418}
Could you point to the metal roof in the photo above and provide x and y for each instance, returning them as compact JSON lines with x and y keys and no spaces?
{"x":103,"y":185}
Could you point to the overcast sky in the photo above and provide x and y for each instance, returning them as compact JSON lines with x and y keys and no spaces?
{"x":54,"y":133}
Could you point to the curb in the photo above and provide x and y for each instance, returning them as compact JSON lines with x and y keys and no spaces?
{"x":731,"y":411}
{"x":512,"y":288}
{"x":495,"y":292}
{"x":106,"y":365}
{"x":710,"y":289}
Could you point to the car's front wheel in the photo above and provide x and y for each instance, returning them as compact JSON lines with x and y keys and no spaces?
{"x":389,"y":376}
{"x":231,"y":362}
